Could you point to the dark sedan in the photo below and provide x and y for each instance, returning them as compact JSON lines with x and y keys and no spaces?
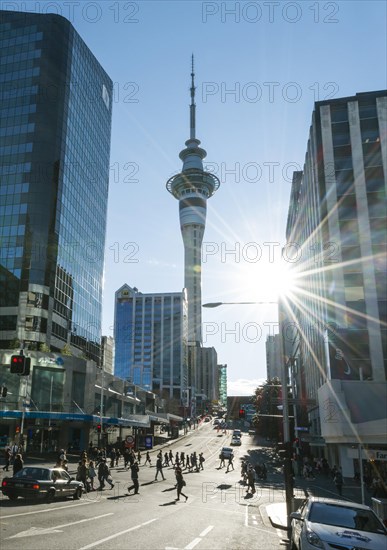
{"x":46,"y":483}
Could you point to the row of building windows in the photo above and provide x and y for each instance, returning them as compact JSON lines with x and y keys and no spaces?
{"x":17,"y":75}
{"x":21,"y":39}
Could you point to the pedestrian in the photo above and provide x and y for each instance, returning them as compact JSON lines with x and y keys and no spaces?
{"x":17,"y":464}
{"x":222,"y":459}
{"x":92,"y":475}
{"x":250,"y":480}
{"x":112,"y":457}
{"x":171,"y":457}
{"x":118,"y":455}
{"x":182,"y":459}
{"x":148,"y":459}
{"x":126,"y":458}
{"x":134,"y":469}
{"x":159,"y":466}
{"x":14,"y":451}
{"x":7,"y":458}
{"x":338,"y":480}
{"x":166,"y":459}
{"x":180,"y":483}
{"x":230,"y":464}
{"x":82,"y":472}
{"x":201,"y":460}
{"x":139,"y":456}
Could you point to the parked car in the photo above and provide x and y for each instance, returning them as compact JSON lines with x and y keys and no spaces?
{"x":237,"y":433}
{"x":227,"y":451}
{"x":327,"y":523}
{"x":48,"y":483}
{"x":235,"y":440}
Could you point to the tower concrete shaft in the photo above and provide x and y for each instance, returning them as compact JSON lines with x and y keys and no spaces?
{"x":192,"y":187}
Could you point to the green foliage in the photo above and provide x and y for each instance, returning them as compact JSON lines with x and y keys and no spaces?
{"x":66,"y":350}
{"x":44,"y":348}
{"x":15,"y":344}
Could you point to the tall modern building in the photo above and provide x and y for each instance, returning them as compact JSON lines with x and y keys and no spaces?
{"x":150,"y":333}
{"x":54,"y":152}
{"x":337,"y":216}
{"x":192,"y":187}
{"x":274,"y":361}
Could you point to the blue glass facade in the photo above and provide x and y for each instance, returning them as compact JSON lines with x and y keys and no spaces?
{"x":151,"y":340}
{"x":55,"y":126}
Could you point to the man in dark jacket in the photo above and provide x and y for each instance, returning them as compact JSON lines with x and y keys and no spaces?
{"x":159,"y":467}
{"x":134,"y":475}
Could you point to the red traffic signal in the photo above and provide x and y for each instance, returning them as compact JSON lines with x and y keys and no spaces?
{"x":20,"y":365}
{"x":99,"y":428}
{"x":242,"y":413}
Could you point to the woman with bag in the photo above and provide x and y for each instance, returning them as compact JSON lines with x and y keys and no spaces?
{"x":180,"y":483}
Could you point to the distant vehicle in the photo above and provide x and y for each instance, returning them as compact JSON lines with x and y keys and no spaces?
{"x":207,"y":419}
{"x":328,"y":523}
{"x":40,"y":483}
{"x":227,"y":451}
{"x":235,"y":440}
{"x":251,"y":432}
{"x":217,"y":421}
{"x":238,"y":433}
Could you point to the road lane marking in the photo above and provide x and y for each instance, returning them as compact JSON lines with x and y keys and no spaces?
{"x":56,"y":529}
{"x":196,"y":541}
{"x":48,"y":510}
{"x":192,"y":544}
{"x":101,"y":541}
{"x":206,"y":531}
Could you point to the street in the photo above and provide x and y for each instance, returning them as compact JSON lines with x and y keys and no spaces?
{"x":216,"y":515}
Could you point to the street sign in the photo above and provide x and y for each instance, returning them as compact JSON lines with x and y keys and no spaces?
{"x":149,"y":442}
{"x":129,"y":441}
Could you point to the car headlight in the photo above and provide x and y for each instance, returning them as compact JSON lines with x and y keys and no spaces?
{"x":313,"y":539}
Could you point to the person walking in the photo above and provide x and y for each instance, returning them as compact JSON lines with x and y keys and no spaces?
{"x":159,"y":467}
{"x":148,"y":459}
{"x":7,"y":458}
{"x":250,"y":480}
{"x":139,"y":456}
{"x":134,"y":469}
{"x":180,"y":483}
{"x":201,"y":460}
{"x":17,"y":464}
{"x":230,"y":464}
{"x":166,"y":459}
{"x":338,"y":480}
{"x":222,"y":459}
{"x":92,"y":475}
{"x":171,"y":457}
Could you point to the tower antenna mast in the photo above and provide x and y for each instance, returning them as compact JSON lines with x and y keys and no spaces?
{"x":192,"y":108}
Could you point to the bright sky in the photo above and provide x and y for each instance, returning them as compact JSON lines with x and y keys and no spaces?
{"x":259,"y":68}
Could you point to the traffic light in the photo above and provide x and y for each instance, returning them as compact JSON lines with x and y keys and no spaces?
{"x":242,"y":413}
{"x":20,"y":365}
{"x":3,"y":391}
{"x":99,"y":427}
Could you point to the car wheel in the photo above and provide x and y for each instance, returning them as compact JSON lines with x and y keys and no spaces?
{"x":50,"y":495}
{"x":78,"y":493}
{"x":12,"y":497}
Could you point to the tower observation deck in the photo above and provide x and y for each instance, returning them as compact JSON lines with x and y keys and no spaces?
{"x":192,"y":187}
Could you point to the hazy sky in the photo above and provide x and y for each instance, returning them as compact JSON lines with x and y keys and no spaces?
{"x":259,"y":68}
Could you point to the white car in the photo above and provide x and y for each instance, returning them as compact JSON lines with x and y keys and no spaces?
{"x":327,"y":523}
{"x":235,"y":440}
{"x":226,"y":452}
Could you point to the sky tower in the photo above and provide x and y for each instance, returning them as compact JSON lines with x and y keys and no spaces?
{"x":192,"y":187}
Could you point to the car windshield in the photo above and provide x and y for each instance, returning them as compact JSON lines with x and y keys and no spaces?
{"x":34,"y":473}
{"x":342,"y":516}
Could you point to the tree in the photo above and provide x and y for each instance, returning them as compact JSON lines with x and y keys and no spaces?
{"x":267,"y":420}
{"x":66,"y":350}
{"x":44,"y":348}
{"x":15,"y":344}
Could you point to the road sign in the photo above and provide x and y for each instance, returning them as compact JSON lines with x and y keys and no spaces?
{"x":129,"y":441}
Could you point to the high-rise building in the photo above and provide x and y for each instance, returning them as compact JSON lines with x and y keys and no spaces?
{"x":55,"y":131}
{"x":337,"y":218}
{"x":192,"y":187}
{"x":273,"y":356}
{"x":223,"y":384}
{"x":150,"y":333}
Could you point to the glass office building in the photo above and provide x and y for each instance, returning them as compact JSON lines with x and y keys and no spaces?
{"x":150,"y":333}
{"x":55,"y":127}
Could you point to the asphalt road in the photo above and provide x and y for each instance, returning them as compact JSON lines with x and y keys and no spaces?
{"x":217,"y":515}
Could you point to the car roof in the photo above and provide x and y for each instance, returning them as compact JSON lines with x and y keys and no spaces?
{"x":346,"y":503}
{"x":227,"y":449}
